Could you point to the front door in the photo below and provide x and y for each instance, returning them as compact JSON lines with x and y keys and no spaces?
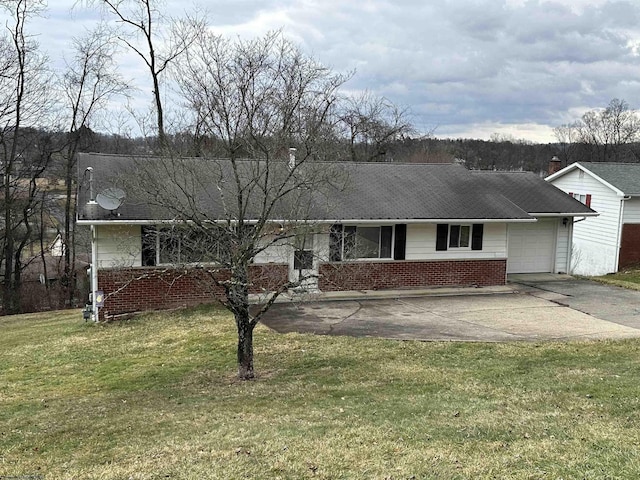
{"x":303,"y":267}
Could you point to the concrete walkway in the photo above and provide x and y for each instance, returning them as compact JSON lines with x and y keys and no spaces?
{"x":525,"y":311}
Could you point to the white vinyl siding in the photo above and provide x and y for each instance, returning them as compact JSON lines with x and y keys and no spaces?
{"x":602,"y":229}
{"x":119,"y":246}
{"x":631,"y":212}
{"x":279,"y":251}
{"x":595,"y":240}
{"x":421,"y":244}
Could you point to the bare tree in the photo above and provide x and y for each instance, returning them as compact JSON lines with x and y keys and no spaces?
{"x":252,"y":100}
{"x":371,"y":124}
{"x":88,"y":84}
{"x":609,"y":133}
{"x":157,"y":40}
{"x":568,"y":139}
{"x":24,"y":100}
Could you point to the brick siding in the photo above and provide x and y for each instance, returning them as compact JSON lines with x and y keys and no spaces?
{"x":629,"y":246}
{"x":411,"y":274}
{"x":137,"y":289}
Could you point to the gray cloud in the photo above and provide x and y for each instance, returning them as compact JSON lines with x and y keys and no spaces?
{"x":465,"y":66}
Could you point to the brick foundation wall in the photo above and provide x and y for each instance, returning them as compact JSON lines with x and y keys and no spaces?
{"x":629,"y":246}
{"x":411,"y":274}
{"x":129,"y":290}
{"x":139,"y":289}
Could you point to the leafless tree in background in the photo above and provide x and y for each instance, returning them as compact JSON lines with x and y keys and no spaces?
{"x":605,"y":135}
{"x":568,"y":140}
{"x":24,"y":101}
{"x":157,"y":40}
{"x":371,"y":124}
{"x":88,"y":84}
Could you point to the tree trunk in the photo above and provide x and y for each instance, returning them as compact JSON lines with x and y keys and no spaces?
{"x":245,"y":348}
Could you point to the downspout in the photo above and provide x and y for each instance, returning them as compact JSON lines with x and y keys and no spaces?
{"x":570,"y":249}
{"x":619,"y":234}
{"x":94,"y":273}
{"x":91,"y":210}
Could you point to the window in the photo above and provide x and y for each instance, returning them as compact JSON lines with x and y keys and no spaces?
{"x":353,"y":242}
{"x":149,"y":247}
{"x":303,"y":254}
{"x":584,"y":198}
{"x":459,"y":236}
{"x":181,"y":245}
{"x":366,"y":242}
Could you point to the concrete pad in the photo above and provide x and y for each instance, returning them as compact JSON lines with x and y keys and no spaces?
{"x":549,"y":310}
{"x":551,"y":323}
{"x":607,"y":302}
{"x":448,"y":305}
{"x":537,"y":277}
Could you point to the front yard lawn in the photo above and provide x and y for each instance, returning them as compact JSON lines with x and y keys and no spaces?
{"x":155,"y":397}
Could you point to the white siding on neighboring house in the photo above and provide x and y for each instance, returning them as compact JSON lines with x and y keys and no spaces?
{"x":119,"y":246}
{"x":631,"y":210}
{"x":595,"y":240}
{"x":421,"y":244}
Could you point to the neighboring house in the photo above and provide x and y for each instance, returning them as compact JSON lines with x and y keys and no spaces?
{"x":611,"y":241}
{"x":412,"y":225}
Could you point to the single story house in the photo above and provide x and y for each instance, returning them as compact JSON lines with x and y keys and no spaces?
{"x":412,"y":225}
{"x":611,"y":241}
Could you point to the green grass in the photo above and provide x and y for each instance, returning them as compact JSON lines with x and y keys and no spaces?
{"x":155,"y":397}
{"x":628,"y":279}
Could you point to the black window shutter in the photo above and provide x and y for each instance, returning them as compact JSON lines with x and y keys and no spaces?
{"x":335,"y":242}
{"x":386,"y":235}
{"x":400,"y":247}
{"x":476,"y":236}
{"x":441,"y":236}
{"x":148,"y":246}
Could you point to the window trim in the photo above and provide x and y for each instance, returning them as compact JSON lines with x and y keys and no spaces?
{"x":476,"y":238}
{"x":460,"y":227}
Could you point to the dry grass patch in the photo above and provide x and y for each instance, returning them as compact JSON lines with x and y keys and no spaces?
{"x":155,"y":397}
{"x":628,"y":279}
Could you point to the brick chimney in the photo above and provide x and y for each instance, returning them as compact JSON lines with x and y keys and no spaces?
{"x":554,"y":165}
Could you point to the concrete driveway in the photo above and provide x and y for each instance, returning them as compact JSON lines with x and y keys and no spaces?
{"x":537,"y":308}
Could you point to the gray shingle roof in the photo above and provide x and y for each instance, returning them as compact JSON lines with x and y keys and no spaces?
{"x":623,"y":176}
{"x":385,"y":191}
{"x":419,"y":191}
{"x":529,"y":192}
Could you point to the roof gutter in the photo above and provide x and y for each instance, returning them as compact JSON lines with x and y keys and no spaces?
{"x":376,"y":221}
{"x":566,"y":214}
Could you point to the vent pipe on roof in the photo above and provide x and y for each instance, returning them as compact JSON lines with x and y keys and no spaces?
{"x":292,"y":158}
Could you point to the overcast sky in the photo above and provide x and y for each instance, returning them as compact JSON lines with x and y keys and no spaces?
{"x":464,"y":68}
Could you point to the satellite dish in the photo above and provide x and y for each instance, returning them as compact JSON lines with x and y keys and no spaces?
{"x":111,"y":198}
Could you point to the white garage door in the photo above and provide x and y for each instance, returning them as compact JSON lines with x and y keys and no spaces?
{"x":532,"y":247}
